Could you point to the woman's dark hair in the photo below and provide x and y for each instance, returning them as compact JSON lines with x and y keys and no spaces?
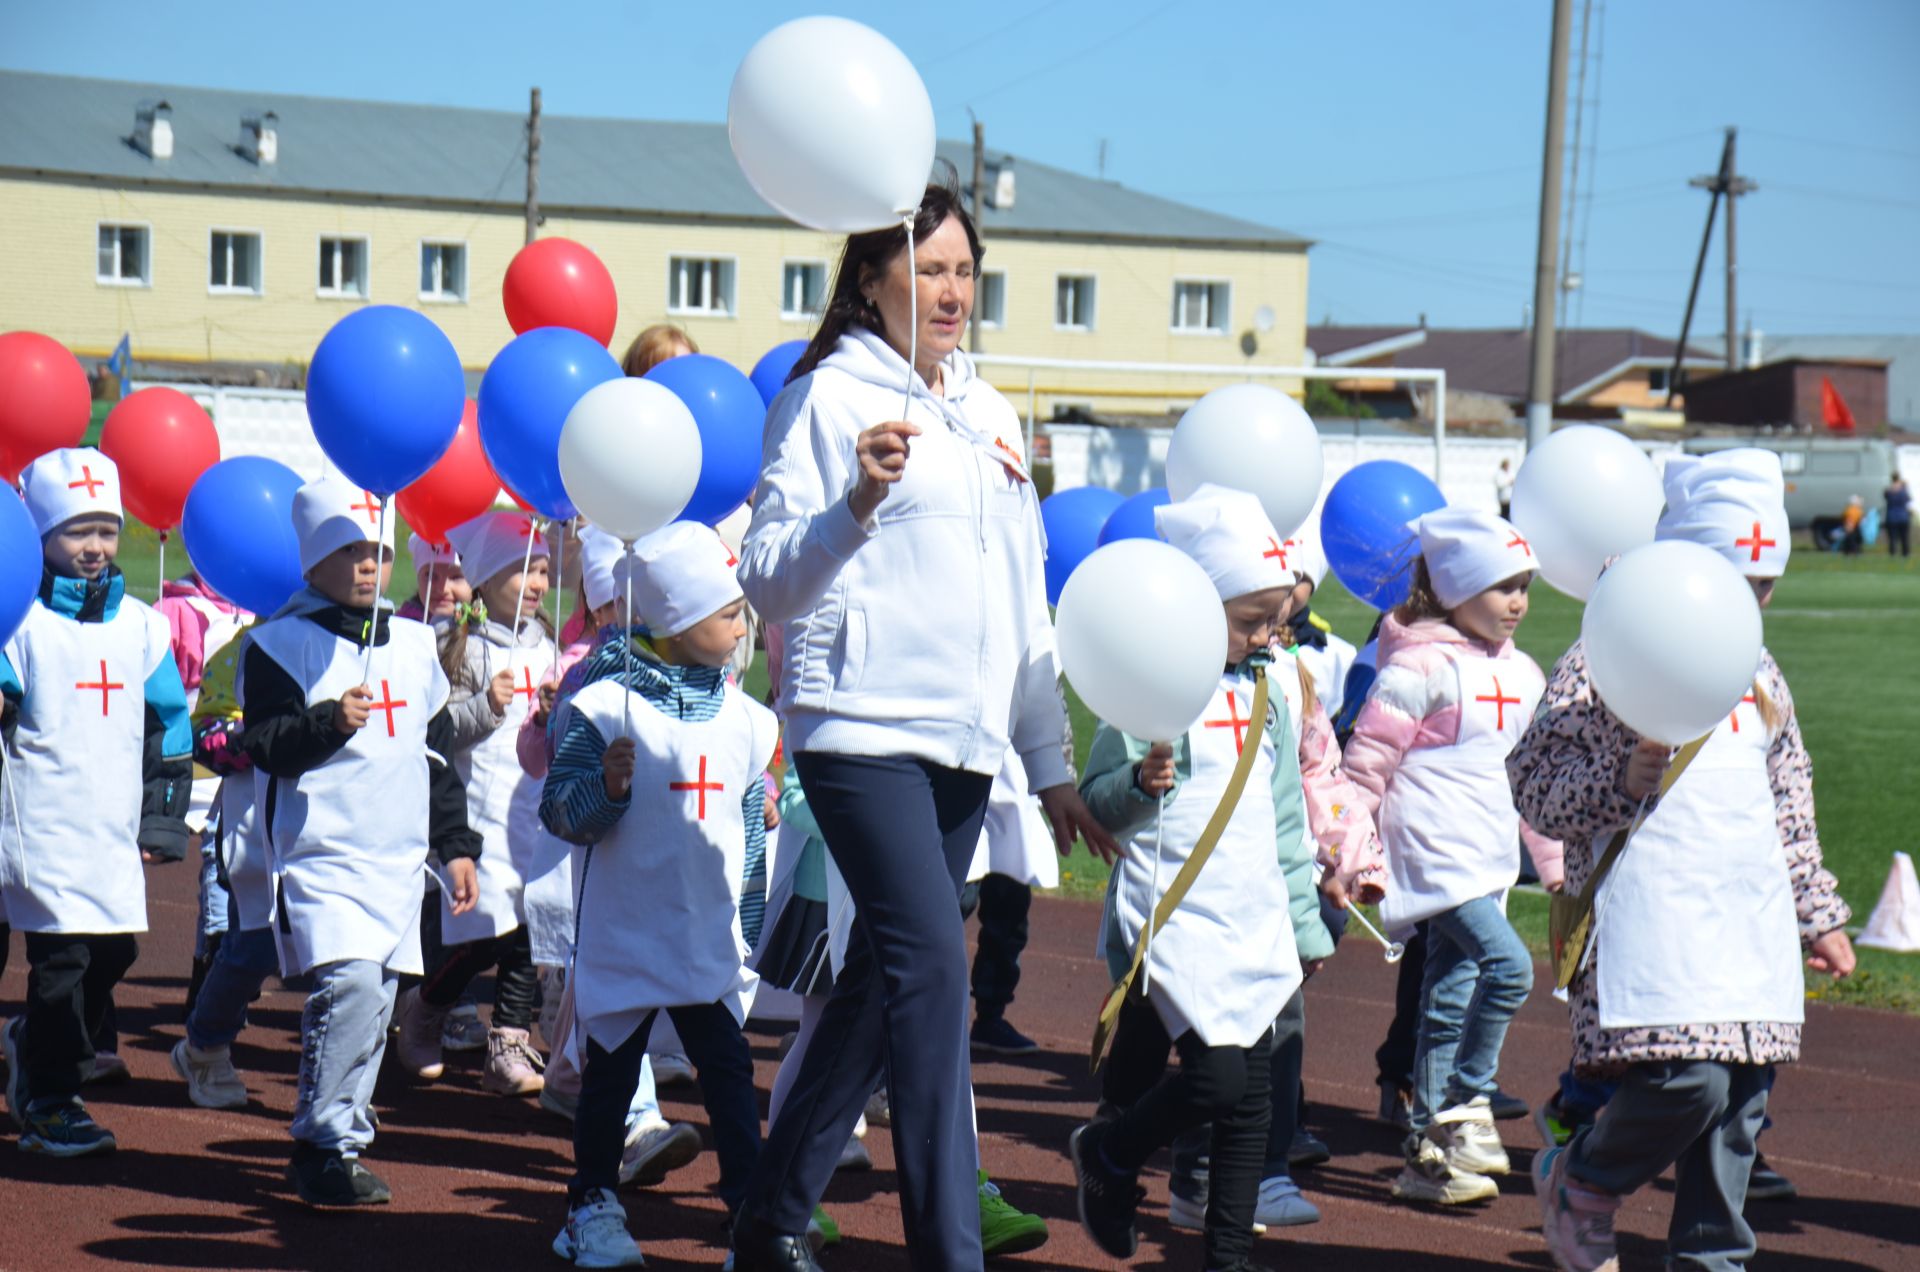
{"x":870,"y":252}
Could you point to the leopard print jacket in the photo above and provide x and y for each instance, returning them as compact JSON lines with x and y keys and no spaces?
{"x":1568,"y":773}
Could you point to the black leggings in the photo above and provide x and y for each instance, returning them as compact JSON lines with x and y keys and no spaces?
{"x":514,"y":985}
{"x":69,"y":1004}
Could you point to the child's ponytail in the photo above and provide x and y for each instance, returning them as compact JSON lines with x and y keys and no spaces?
{"x":1422,"y":602}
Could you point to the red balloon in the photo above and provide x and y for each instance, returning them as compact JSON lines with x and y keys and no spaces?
{"x":555,"y":282}
{"x":45,"y":403}
{"x":162,"y":441}
{"x":459,"y":487}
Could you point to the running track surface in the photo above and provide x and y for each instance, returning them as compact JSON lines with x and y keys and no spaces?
{"x":478,"y":1179}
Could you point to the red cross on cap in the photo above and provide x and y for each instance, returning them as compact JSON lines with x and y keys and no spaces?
{"x":1276,"y":550}
{"x":1519,"y":541}
{"x":732,"y":560}
{"x":371,"y":508}
{"x":90,"y":482}
{"x":1756,"y":542}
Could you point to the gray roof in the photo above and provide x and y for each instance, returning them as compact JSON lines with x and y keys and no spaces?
{"x":66,"y":125}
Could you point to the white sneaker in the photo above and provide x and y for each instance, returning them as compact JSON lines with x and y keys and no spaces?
{"x":656,"y":1148}
{"x":1476,"y":1147}
{"x":596,"y":1234}
{"x":1430,"y":1177}
{"x":854,"y":1156}
{"x":210,"y":1077}
{"x":1282,"y":1205}
{"x":463,"y":1029}
{"x":419,"y":1042}
{"x":672,"y":1069}
{"x":1191,"y":1214}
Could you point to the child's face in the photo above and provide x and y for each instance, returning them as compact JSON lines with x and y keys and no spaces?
{"x":353,"y":576}
{"x":504,"y":589}
{"x":83,"y":548}
{"x":1494,"y":615}
{"x":709,"y":642}
{"x":1254,"y":620}
{"x":443,"y":589}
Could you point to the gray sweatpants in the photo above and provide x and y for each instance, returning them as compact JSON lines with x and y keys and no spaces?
{"x":1700,"y":1117}
{"x":343,"y":1034}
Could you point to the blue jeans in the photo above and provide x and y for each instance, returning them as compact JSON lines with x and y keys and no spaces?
{"x":213,"y":900}
{"x":240,"y":967}
{"x":343,"y":1034}
{"x":1478,"y":974}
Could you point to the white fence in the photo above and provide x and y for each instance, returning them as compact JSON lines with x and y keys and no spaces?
{"x":268,"y":422}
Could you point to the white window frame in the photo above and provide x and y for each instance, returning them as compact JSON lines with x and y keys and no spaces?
{"x":979,"y":286}
{"x":444,"y":297}
{"x":730,"y":276}
{"x":1093,"y":307}
{"x":366,"y":257}
{"x":787,"y":313}
{"x":146,"y":275}
{"x":260,"y":264}
{"x":1225,"y":327}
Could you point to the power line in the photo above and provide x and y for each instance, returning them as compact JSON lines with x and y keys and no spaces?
{"x":949,"y":54}
{"x":1830,"y":144}
{"x":1077,"y":54}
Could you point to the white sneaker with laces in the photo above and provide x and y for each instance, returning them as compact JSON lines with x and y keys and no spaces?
{"x":513,"y":1066}
{"x":596,"y":1234}
{"x":1429,"y":1175}
{"x":1476,"y":1147}
{"x":211,"y":1080}
{"x":656,"y":1148}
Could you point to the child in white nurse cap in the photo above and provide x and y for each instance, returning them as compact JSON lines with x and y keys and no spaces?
{"x":1228,"y":533}
{"x":1467,"y":552}
{"x":64,"y":484}
{"x":1733,"y":501}
{"x":682,"y":575}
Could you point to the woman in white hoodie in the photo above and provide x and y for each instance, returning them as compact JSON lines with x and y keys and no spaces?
{"x":898,"y":543}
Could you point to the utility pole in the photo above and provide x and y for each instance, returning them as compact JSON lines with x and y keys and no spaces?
{"x":1540,"y":382}
{"x":1730,"y":184}
{"x":979,"y":220}
{"x":533,"y":168}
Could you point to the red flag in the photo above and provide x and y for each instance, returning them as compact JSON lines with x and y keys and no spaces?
{"x":1834,"y":407}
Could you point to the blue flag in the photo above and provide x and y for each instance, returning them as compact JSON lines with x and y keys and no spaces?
{"x":120,"y":360}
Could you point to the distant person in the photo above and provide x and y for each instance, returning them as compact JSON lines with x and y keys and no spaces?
{"x":1899,"y":522}
{"x":655,"y":345}
{"x":1503,"y":489}
{"x":1848,"y":535}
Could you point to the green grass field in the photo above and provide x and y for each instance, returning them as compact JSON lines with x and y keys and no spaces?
{"x":1846,"y":632}
{"x":1838,"y":627}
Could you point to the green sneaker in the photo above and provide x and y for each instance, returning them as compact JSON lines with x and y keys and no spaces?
{"x":823,"y":1226}
{"x":1004,"y":1230}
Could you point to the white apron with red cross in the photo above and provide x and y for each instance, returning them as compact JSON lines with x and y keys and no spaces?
{"x":348,"y":840}
{"x":1696,"y":923}
{"x":503,"y":803}
{"x":75,"y":771}
{"x":657,"y":902}
{"x":1225,"y":963}
{"x":1447,"y":820}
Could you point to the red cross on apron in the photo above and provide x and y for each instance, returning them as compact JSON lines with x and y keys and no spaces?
{"x":1756,"y":542}
{"x":92,"y":484}
{"x":702,"y":786}
{"x":526,"y":684}
{"x":1500,"y":703}
{"x":388,"y":705}
{"x":105,"y":686}
{"x":1235,"y":721}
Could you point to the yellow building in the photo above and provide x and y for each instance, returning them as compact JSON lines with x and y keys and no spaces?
{"x":230,"y":227}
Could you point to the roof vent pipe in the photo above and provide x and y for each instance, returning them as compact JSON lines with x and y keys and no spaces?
{"x":260,"y":138}
{"x":153,"y":129}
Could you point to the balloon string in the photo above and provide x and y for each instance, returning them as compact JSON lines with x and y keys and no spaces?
{"x":626,"y":649}
{"x":913,"y":326}
{"x":559,"y":575}
{"x":519,"y":601}
{"x":1153,"y":901}
{"x":160,"y":588}
{"x":373,"y":619}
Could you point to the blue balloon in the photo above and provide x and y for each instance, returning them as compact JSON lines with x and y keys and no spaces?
{"x":731,"y":415}
{"x":238,"y":525}
{"x":1364,"y":528}
{"x":524,"y":399}
{"x":20,"y":563}
{"x":1133,"y":519}
{"x":771,"y":372}
{"x":385,"y":393}
{"x":1073,"y":520}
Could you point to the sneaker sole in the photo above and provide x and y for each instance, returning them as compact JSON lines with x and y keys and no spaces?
{"x":1539,"y":1176}
{"x":31,"y":1143}
{"x":998,"y":1049}
{"x":180,"y":1067}
{"x":1492,"y":1167}
{"x":1080,"y":1201}
{"x":566,"y":1249}
{"x":1022,"y":1242}
{"x":1182,"y":1215}
{"x":1424,"y":1192}
{"x":680,"y":1147}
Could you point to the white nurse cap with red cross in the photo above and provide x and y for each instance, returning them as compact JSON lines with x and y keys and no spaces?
{"x":64,"y":484}
{"x":1733,"y":501}
{"x":331,"y":513}
{"x":1232,"y":538}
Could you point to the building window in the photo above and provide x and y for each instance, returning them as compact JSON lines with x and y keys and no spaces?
{"x":1073,"y":302}
{"x":803,"y":289}
{"x":701,"y":285}
{"x":443,"y":271}
{"x":990,"y":299}
{"x":343,"y":267}
{"x":123,"y":256}
{"x":1200,"y":306}
{"x":1657,"y":379}
{"x":234,"y":262}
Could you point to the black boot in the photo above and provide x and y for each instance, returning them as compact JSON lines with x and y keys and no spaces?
{"x":758,"y":1248}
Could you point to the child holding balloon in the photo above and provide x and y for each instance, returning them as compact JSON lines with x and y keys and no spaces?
{"x":1691,"y":990}
{"x":1451,"y":699}
{"x":441,"y":586}
{"x":658,"y":777}
{"x":1219,"y":971}
{"x":493,"y":657}
{"x":360,"y":796}
{"x":88,"y":674}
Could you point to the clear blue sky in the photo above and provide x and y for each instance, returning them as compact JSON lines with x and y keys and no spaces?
{"x":1403,"y":135}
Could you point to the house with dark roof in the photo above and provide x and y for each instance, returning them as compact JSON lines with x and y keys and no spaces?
{"x":213,"y":226}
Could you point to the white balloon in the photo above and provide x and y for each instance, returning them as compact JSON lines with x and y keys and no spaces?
{"x":1672,"y":636}
{"x":630,"y":456}
{"x":1583,"y":496}
{"x":832,"y":125}
{"x":1151,"y":688}
{"x":1250,"y":437}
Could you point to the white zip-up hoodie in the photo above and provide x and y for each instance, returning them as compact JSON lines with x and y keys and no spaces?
{"x":922,"y":632}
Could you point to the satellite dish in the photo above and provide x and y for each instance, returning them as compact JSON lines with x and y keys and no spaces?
{"x":1263,"y":318}
{"x":1249,"y":343}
